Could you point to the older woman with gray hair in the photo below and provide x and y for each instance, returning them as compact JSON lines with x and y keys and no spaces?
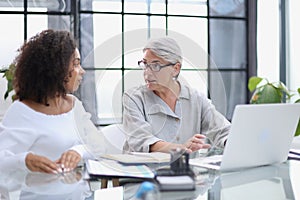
{"x":165,"y":113}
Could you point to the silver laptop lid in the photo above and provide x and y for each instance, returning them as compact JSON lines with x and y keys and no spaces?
{"x":260,"y":134}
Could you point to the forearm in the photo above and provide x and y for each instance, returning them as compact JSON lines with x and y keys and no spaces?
{"x":166,"y":147}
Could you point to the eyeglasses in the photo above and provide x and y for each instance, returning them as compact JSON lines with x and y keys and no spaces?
{"x":153,"y":66}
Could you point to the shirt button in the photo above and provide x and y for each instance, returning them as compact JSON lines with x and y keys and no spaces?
{"x":177,"y":120}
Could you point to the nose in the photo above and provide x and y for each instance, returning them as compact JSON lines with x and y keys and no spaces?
{"x":82,"y":70}
{"x":147,"y":70}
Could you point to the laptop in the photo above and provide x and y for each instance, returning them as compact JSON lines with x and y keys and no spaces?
{"x":260,"y":134}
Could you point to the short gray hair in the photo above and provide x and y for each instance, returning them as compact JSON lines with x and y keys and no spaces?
{"x":165,"y":48}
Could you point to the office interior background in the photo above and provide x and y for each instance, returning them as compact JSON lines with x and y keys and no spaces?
{"x":224,"y":43}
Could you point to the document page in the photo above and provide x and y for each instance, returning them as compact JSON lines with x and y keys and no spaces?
{"x":139,"y":157}
{"x":112,"y":168}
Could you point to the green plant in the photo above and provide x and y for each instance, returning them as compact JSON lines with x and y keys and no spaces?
{"x":8,"y":74}
{"x":275,"y":92}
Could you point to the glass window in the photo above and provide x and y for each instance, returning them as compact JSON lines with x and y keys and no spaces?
{"x":11,"y":39}
{"x":294,"y":33}
{"x":109,"y":95}
{"x":191,"y":34}
{"x":228,"y":42}
{"x":268,"y":39}
{"x":111,"y":35}
{"x":228,"y":89}
{"x":233,"y":8}
{"x":187,"y":7}
{"x":102,"y":5}
{"x":144,"y":6}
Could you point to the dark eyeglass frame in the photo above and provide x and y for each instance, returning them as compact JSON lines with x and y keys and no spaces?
{"x":155,"y":67}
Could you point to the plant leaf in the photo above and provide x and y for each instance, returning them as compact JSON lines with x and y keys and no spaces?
{"x":298,"y":129}
{"x":253,"y":82}
{"x":268,"y":94}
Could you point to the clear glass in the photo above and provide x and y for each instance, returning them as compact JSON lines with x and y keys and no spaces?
{"x":36,"y":23}
{"x":230,"y":8}
{"x":108,"y":43}
{"x":181,"y":7}
{"x":12,"y":6}
{"x":109,"y":95}
{"x":228,"y":89}
{"x":136,"y":34}
{"x":44,"y":6}
{"x":157,"y":22}
{"x":294,"y":42}
{"x":10,"y":39}
{"x":195,"y":79}
{"x":268,"y":39}
{"x":145,"y":6}
{"x":230,"y":52}
{"x":102,"y":5}
{"x":133,"y":78}
{"x":191,"y":35}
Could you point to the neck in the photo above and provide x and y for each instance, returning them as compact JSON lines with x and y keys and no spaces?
{"x":172,"y":90}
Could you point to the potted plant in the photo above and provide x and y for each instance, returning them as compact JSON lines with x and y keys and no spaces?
{"x":271,"y":92}
{"x":8,"y":74}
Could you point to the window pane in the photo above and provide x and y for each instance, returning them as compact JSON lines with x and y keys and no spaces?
{"x":228,"y":89}
{"x":11,"y":6}
{"x":135,"y":37}
{"x":44,"y":6}
{"x":133,"y":78}
{"x":132,"y":56}
{"x":108,"y":43}
{"x":132,"y":22}
{"x":196,"y":79}
{"x":231,"y":51}
{"x":268,"y":39}
{"x":144,"y":6}
{"x":109,"y":95}
{"x":187,"y":7}
{"x":157,"y":22}
{"x":230,"y":8}
{"x":102,"y":5}
{"x":294,"y":49}
{"x":36,"y":23}
{"x":191,"y":34}
{"x":10,"y":40}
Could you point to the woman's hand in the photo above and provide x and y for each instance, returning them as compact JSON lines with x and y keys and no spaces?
{"x":69,"y":160}
{"x":195,"y":143}
{"x":38,"y":163}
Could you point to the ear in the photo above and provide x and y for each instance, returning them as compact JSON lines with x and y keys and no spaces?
{"x":176,"y":69}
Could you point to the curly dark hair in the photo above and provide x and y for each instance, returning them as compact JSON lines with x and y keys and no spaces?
{"x":42,"y":66}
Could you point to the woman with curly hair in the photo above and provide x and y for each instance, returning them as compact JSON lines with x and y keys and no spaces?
{"x":46,"y":129}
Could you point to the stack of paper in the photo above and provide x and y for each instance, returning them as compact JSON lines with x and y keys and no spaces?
{"x":138,"y":157}
{"x":110,"y":168}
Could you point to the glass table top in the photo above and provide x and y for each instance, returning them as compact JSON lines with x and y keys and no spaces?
{"x":280,"y":181}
